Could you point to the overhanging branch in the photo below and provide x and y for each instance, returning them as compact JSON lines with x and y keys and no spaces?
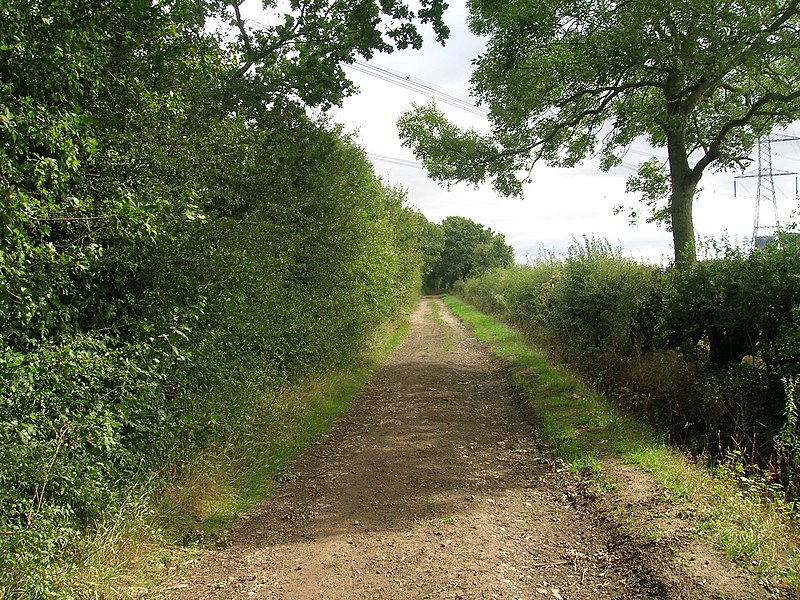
{"x":755,"y":110}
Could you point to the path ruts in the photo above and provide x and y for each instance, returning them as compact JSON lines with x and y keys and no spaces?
{"x":433,"y":485}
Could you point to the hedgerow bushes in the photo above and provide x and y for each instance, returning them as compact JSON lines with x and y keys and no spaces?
{"x":284,"y":281}
{"x":703,"y":352}
{"x":178,"y":240}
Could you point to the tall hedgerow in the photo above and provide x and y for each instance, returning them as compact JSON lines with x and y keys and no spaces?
{"x":174,"y":228}
{"x":704,"y":352}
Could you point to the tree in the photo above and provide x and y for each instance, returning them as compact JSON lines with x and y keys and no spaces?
{"x":109,"y":123}
{"x":468,"y":249}
{"x":565,"y":80}
{"x":492,"y":254}
{"x":301,"y":57}
{"x":431,"y":246}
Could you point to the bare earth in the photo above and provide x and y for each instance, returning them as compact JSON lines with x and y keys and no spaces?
{"x":436,"y":485}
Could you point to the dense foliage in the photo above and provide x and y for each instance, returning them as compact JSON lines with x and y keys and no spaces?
{"x":458,"y":249}
{"x":173,"y":225}
{"x":702,"y":79}
{"x":709,"y":354}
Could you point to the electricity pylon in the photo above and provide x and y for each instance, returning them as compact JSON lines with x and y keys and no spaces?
{"x":766,"y":222}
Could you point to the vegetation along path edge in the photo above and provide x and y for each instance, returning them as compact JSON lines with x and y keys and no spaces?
{"x":436,"y":484}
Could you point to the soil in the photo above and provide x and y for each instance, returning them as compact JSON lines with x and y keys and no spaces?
{"x":436,"y":484}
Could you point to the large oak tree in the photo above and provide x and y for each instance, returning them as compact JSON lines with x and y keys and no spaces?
{"x":566,"y":80}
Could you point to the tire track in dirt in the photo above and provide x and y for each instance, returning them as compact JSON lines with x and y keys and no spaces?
{"x":433,"y":485}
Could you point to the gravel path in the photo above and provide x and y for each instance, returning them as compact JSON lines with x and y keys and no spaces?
{"x":435,"y":485}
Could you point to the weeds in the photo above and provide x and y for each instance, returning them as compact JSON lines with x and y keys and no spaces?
{"x":754,"y":528}
{"x":787,"y":442}
{"x":435,"y":315}
{"x":152,"y":533}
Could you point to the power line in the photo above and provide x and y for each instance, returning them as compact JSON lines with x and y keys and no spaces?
{"x":407,"y":84}
{"x":419,"y":86}
{"x":427,"y":85}
{"x":641,"y":153}
{"x":402,"y":162}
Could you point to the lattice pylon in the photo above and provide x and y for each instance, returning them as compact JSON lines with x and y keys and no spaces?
{"x":766,"y":220}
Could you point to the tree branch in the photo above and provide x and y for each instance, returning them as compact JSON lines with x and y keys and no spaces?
{"x":542,"y":143}
{"x":714,"y":148}
{"x":791,"y":10}
{"x":252,"y":55}
{"x":67,"y":219}
{"x":248,"y":47}
{"x":617,"y":89}
{"x":751,"y":47}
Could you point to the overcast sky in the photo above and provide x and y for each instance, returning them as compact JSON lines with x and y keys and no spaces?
{"x":559,"y":203}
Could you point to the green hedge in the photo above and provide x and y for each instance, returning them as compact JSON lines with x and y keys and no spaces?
{"x":130,"y":349}
{"x":178,"y":240}
{"x":703,"y":353}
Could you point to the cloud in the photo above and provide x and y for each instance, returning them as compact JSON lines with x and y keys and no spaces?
{"x":559,"y":203}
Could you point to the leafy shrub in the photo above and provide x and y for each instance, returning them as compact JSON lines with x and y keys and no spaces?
{"x":736,"y":317}
{"x":608,"y":301}
{"x":77,"y":418}
{"x":742,"y":304}
{"x":178,"y":239}
{"x":710,"y":301}
{"x":152,"y":351}
{"x":596,"y":306}
{"x":787,"y":442}
{"x":700,"y":352}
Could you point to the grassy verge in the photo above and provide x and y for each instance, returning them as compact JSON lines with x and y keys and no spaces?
{"x":195,"y":508}
{"x":590,"y":433}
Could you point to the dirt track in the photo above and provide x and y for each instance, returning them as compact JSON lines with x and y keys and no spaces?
{"x":435,"y":485}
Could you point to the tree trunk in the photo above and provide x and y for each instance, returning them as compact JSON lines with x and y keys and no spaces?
{"x":683,"y":180}
{"x":681,"y":203}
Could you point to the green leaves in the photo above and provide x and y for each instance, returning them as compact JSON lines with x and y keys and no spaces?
{"x":458,"y":249}
{"x":708,"y":353}
{"x":173,"y":226}
{"x":652,"y":182}
{"x":450,"y":154}
{"x":300,"y":59}
{"x":567,"y":80}
{"x":125,"y":367}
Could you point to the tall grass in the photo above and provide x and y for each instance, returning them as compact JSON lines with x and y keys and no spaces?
{"x":589,"y":432}
{"x":699,"y":353}
{"x":134,"y":549}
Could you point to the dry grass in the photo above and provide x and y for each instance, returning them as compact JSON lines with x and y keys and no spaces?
{"x":154,"y":533}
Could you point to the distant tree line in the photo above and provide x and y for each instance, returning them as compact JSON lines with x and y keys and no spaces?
{"x":458,"y":249}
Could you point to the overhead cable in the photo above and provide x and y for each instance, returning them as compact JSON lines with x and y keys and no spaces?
{"x":395,"y":161}
{"x":419,"y":86}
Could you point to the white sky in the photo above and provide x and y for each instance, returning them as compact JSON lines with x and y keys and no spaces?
{"x":559,"y":204}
